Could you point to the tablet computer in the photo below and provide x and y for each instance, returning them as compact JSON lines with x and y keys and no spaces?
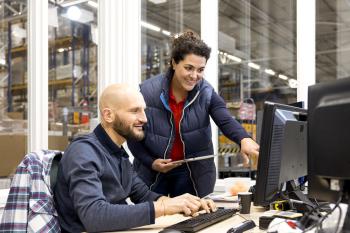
{"x":193,"y":159}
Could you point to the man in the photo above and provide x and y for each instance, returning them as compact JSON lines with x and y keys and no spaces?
{"x":95,"y":176}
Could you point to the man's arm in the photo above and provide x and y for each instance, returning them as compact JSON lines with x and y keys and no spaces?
{"x":187,"y":204}
{"x":95,"y":212}
{"x":140,"y":192}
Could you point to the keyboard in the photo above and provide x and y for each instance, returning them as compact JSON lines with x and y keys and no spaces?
{"x":203,"y":220}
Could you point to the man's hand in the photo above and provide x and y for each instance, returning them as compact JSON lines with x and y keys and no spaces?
{"x":186,"y":204}
{"x":164,"y":165}
{"x":208,"y":206}
{"x":249,"y":149}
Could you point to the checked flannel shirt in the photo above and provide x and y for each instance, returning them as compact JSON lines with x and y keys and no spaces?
{"x":30,"y":204}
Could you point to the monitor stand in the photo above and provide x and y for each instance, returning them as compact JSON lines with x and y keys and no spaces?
{"x":295,"y":193}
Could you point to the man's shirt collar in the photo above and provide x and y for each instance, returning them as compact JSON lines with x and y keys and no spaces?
{"x":107,"y":142}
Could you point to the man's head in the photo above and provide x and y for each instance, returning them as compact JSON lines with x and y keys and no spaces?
{"x":122,"y":110}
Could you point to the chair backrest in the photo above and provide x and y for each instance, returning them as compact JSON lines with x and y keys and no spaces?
{"x":31,"y":193}
{"x":54,"y":170}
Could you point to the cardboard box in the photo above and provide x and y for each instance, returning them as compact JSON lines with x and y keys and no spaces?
{"x":16,"y":115}
{"x":13,"y":147}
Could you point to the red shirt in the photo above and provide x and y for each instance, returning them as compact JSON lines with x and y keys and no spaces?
{"x":177,"y":152}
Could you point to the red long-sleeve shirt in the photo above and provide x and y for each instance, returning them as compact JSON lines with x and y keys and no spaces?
{"x":177,"y":151}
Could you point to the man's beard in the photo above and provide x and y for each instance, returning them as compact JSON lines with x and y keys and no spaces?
{"x":127,"y":132}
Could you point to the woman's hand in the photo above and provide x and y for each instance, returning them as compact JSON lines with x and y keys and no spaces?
{"x":249,"y":149}
{"x":164,"y":165}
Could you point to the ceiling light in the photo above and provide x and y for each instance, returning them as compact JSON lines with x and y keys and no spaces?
{"x":93,"y":4}
{"x":71,"y":3}
{"x":157,"y":1}
{"x":79,"y":15}
{"x":150,"y":26}
{"x":281,"y":76}
{"x":73,"y":13}
{"x":167,"y":33}
{"x":234,"y":58}
{"x":253,"y":65}
{"x":60,"y":50}
{"x":270,"y":72}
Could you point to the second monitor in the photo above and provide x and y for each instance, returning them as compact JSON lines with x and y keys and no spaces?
{"x":283,"y":152}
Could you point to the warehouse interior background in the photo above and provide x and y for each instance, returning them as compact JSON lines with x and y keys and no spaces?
{"x":256,"y":54}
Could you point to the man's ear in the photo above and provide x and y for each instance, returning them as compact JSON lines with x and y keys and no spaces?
{"x":108,"y":115}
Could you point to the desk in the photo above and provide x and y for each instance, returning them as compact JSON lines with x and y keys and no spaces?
{"x":220,"y":227}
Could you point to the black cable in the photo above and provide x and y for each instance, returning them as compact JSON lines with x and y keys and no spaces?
{"x":339,"y":218}
{"x":325,"y":216}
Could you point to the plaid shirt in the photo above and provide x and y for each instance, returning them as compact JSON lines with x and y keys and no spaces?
{"x":30,"y":204}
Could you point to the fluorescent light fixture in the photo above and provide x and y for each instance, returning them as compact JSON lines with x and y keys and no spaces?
{"x":150,"y":26}
{"x":253,"y":65}
{"x":165,"y":32}
{"x":157,"y":1}
{"x":60,"y":50}
{"x":281,"y":76}
{"x":73,"y":13}
{"x":71,"y":3}
{"x":93,"y":4}
{"x":234,"y":58}
{"x":293,"y":83}
{"x":80,"y":15}
{"x":270,"y":72}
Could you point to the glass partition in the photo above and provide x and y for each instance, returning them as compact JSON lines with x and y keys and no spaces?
{"x":13,"y":84}
{"x":257,"y":63}
{"x":72,"y":68}
{"x":332,"y":40}
{"x":159,"y":21}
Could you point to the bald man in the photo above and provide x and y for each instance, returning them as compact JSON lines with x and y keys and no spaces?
{"x":95,"y":176}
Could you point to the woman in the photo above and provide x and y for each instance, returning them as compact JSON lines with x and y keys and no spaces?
{"x":179,"y":106}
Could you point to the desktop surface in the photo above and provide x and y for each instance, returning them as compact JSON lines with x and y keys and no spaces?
{"x":223,"y":226}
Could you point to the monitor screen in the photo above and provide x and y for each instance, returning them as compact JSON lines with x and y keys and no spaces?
{"x":329,"y":139}
{"x":283,"y":150}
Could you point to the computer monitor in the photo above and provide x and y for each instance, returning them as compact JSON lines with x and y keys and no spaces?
{"x":329,"y":141}
{"x":283,"y":151}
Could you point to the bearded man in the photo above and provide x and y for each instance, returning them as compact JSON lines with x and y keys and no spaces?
{"x":95,"y":176}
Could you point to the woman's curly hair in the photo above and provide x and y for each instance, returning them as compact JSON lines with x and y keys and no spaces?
{"x":186,"y":43}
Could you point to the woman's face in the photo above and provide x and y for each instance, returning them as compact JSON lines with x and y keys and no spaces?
{"x":189,"y":71}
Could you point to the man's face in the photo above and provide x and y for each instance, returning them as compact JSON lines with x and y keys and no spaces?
{"x":130,"y":118}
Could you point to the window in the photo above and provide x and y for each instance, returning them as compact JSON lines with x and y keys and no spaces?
{"x":72,"y":67}
{"x":161,"y":19}
{"x":332,"y":40}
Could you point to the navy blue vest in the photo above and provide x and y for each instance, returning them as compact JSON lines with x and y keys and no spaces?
{"x":195,"y":131}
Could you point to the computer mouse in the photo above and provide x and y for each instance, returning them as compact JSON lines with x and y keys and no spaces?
{"x":171,"y":231}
